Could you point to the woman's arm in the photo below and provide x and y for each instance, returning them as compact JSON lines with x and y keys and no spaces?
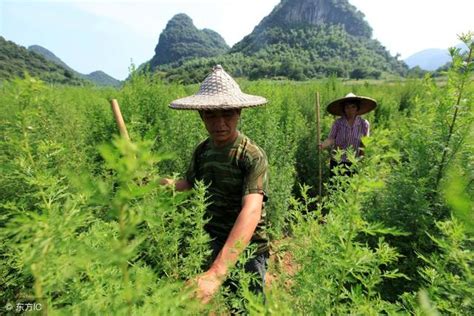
{"x":332,"y":135}
{"x":327,"y":143}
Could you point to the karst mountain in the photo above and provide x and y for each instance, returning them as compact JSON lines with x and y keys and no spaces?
{"x":299,"y":39}
{"x":181,"y":40}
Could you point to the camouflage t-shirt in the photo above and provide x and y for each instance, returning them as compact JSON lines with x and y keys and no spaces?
{"x":230,"y":172}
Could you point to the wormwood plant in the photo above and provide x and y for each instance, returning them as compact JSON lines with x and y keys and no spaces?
{"x":144,"y":102}
{"x":111,"y":244}
{"x":458,"y":189}
{"x":448,"y":280}
{"x":81,"y":232}
{"x":459,"y":76}
{"x":338,"y":272}
{"x":429,"y":137}
{"x":277,"y":128}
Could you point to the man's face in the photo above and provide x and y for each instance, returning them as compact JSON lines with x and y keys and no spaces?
{"x":221,"y":125}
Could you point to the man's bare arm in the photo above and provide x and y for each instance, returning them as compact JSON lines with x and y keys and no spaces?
{"x":239,"y":237}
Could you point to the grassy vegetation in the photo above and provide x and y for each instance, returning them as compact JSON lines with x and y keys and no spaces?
{"x":85,"y":229}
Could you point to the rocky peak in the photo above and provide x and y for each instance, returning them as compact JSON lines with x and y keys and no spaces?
{"x":180,"y":21}
{"x":182,"y":40}
{"x":296,"y":13}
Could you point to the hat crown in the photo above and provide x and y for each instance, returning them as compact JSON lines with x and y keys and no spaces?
{"x":218,"y":91}
{"x":366,"y":104}
{"x":219,"y":82}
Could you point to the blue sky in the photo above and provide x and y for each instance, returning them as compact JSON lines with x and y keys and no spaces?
{"x":109,"y":34}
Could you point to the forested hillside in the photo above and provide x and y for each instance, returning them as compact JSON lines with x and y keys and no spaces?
{"x":301,"y":39}
{"x":99,"y":78}
{"x":16,"y":60}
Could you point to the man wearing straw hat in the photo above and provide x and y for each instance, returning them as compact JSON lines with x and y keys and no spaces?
{"x":234,"y":169}
{"x":348,"y":130}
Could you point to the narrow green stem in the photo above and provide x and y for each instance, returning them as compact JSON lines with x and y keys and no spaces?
{"x":348,"y":249}
{"x":38,"y":287}
{"x":453,"y":122}
{"x":124,"y":264}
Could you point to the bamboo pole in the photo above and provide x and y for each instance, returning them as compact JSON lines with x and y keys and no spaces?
{"x":119,"y":119}
{"x":318,"y":140}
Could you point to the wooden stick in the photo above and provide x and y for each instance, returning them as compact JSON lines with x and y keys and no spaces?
{"x":119,"y":119}
{"x":318,"y":140}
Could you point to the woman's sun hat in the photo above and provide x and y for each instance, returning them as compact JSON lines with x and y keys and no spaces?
{"x":366,"y":104}
{"x":219,"y":91}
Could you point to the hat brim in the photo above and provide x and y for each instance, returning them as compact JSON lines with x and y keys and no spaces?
{"x":366,"y":105}
{"x":217,"y":102}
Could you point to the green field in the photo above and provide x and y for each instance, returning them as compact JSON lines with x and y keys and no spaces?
{"x":85,"y":229}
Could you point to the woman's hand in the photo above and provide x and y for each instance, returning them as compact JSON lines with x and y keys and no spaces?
{"x":327,"y":143}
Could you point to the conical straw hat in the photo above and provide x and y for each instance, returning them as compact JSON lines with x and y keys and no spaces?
{"x":366,"y":104}
{"x":218,"y":92}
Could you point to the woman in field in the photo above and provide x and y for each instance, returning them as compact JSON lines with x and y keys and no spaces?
{"x":347,"y":131}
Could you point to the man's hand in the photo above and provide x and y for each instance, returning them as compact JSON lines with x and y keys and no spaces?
{"x":166,"y":181}
{"x":179,"y":185}
{"x":208,"y":284}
